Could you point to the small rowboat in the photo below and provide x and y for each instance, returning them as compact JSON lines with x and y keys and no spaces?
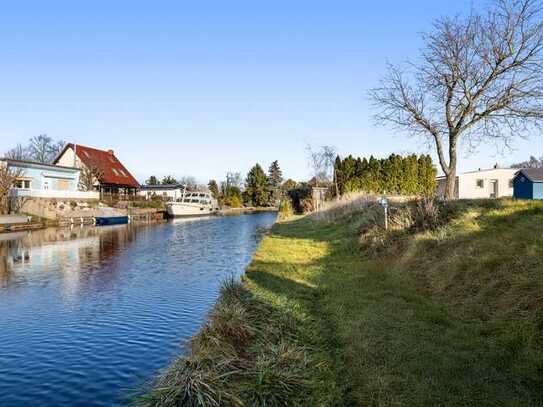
{"x":111,"y":220}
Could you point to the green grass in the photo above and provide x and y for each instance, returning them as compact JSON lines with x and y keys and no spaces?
{"x":449,"y":314}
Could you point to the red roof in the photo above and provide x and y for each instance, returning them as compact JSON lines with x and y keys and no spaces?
{"x":113,"y":172}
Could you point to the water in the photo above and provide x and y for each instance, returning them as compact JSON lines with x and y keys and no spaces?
{"x":88,"y":315}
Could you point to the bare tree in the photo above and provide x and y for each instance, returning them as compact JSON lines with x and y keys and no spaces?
{"x":44,"y":149}
{"x":88,"y":177}
{"x":533,"y":162}
{"x":480,"y":78}
{"x":321,"y":162}
{"x":19,"y":152}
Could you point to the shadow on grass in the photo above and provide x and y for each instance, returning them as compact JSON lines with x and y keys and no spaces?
{"x":450,"y":317}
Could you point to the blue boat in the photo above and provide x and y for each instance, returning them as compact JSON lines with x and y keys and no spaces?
{"x":111,"y":220}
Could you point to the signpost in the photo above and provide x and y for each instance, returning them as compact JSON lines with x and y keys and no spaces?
{"x":384,"y":203}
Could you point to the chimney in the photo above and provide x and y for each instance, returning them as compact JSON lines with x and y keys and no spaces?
{"x":110,"y":152}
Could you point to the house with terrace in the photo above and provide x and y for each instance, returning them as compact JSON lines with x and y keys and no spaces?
{"x":101,"y":171}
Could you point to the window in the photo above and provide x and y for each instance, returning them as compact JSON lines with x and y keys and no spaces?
{"x":480,"y":183}
{"x":112,"y":159}
{"x":122,"y":173}
{"x":45,"y":184}
{"x":86,"y":154}
{"x":22,"y":184}
{"x":115,"y":171}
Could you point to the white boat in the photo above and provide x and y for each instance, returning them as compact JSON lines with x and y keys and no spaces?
{"x":192,"y":204}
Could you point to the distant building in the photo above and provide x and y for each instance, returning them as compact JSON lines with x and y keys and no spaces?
{"x":114,"y":178}
{"x":165,"y":192}
{"x":528,"y":184}
{"x":490,"y":183}
{"x":37,"y":180}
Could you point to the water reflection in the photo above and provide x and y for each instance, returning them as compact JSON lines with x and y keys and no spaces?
{"x":25,"y":255}
{"x":87,"y":313}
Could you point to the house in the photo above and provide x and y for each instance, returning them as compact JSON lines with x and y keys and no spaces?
{"x":109,"y":175}
{"x":528,"y":184}
{"x":480,"y":184}
{"x":165,"y":192}
{"x":37,"y":180}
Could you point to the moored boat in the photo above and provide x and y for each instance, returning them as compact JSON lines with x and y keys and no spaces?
{"x":192,"y":204}
{"x":111,"y":220}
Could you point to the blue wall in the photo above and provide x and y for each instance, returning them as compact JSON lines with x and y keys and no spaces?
{"x":39,"y":175}
{"x":522,"y":190}
{"x":538,"y":190}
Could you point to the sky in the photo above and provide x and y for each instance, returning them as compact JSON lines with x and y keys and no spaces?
{"x":204,"y":87}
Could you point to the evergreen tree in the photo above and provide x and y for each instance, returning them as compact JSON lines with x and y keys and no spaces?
{"x":338,"y":176}
{"x":275,"y":179}
{"x":256,"y":187}
{"x":214,"y":189}
{"x":152,"y":180}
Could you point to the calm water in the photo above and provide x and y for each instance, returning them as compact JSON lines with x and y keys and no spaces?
{"x":87,"y":315}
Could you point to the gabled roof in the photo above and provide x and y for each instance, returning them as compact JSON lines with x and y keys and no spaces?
{"x":533,"y":174}
{"x":113,"y":172}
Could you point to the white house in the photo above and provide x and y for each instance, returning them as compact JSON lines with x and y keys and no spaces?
{"x":490,"y":183}
{"x":165,"y":192}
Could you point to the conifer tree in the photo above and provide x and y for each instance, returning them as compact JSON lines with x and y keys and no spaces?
{"x":256,"y":187}
{"x":275,"y":179}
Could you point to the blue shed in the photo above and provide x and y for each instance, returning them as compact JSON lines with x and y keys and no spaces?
{"x":528,"y":184}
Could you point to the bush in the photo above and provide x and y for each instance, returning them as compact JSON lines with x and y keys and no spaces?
{"x":235,"y":202}
{"x":285,"y":209}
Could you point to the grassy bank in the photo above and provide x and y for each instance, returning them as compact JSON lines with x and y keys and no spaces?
{"x":446,"y":308}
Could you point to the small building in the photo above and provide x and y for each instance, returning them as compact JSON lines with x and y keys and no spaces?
{"x":37,"y":180}
{"x":165,"y":192}
{"x":481,"y":184}
{"x":528,"y":184}
{"x":112,"y":177}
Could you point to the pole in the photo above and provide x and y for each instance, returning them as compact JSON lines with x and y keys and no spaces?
{"x":386,"y":218}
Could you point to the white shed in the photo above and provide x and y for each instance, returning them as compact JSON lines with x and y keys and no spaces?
{"x":490,"y":183}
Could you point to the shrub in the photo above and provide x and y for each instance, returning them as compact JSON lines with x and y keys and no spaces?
{"x":285,"y":209}
{"x":235,"y":202}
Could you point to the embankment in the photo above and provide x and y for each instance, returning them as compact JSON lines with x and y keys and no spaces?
{"x":445,"y":308}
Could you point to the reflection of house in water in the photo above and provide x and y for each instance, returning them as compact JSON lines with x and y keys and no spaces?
{"x":74,"y":255}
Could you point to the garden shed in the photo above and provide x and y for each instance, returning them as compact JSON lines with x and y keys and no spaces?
{"x":528,"y":184}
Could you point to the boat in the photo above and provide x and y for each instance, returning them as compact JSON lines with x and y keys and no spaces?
{"x":192,"y":204}
{"x":111,"y":220}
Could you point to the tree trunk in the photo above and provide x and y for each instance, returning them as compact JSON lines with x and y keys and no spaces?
{"x":450,"y":185}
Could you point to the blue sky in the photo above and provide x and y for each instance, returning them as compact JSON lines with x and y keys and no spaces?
{"x":203,"y":87}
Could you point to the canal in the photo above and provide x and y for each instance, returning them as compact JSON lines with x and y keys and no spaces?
{"x":89,"y":315}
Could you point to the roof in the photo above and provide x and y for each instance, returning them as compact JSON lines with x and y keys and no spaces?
{"x":113,"y":171}
{"x":533,"y":174}
{"x":37,"y":164}
{"x":479,"y":171}
{"x":161,"y":187}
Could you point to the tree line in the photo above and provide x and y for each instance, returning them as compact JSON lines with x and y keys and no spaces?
{"x":410,"y":175}
{"x":259,"y":189}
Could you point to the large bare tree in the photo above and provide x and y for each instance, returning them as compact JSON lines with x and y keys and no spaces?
{"x":479,"y":78}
